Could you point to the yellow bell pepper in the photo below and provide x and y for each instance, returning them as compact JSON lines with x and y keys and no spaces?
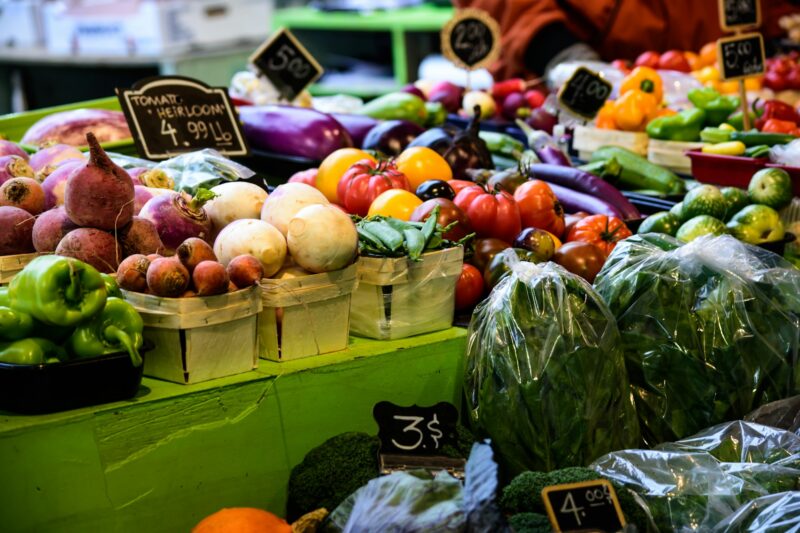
{"x":634,"y":109}
{"x":707,"y":75}
{"x":643,"y":79}
{"x":605,"y":117}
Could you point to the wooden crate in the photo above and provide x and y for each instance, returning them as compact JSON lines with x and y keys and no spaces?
{"x":11,"y":265}
{"x":305,"y":316}
{"x":586,"y":140}
{"x":397,"y":297}
{"x":672,"y":155}
{"x":201,"y":338}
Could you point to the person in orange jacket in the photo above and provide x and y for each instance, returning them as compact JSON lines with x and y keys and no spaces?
{"x":539,"y":34}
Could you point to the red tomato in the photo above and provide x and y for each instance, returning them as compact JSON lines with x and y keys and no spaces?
{"x":469,"y":287}
{"x":365,"y":181}
{"x":622,"y":65}
{"x":674,"y":60}
{"x":457,"y":185}
{"x":581,"y":258}
{"x":535,"y":98}
{"x":485,"y":250}
{"x":490,"y":214}
{"x":776,"y":81}
{"x":601,"y":230}
{"x":309,"y":177}
{"x":448,"y":213}
{"x":647,"y":59}
{"x":571,"y":220}
{"x":539,"y":207}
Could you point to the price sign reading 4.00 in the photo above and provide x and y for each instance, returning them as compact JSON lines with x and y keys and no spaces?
{"x":415,"y":430}
{"x":585,"y":506}
{"x":471,"y":39}
{"x":286,"y":63}
{"x":741,"y":56}
{"x":584,"y":93}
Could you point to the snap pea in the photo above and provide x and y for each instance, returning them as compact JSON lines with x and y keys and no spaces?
{"x":435,"y":242}
{"x":429,"y":228}
{"x":761,"y":150}
{"x":390,"y":237}
{"x":414,"y":243}
{"x":397,"y":224}
{"x":371,"y":240}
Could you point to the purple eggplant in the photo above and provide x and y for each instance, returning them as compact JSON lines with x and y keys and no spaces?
{"x":544,"y":146}
{"x":293,"y":131}
{"x":356,"y":125}
{"x":71,"y":127}
{"x":391,"y":136}
{"x":574,"y":201}
{"x":584,"y":182}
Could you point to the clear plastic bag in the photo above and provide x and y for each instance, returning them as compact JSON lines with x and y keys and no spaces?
{"x":776,"y":513}
{"x":203,"y":168}
{"x":544,"y":376}
{"x":709,"y":329}
{"x":783,"y":414}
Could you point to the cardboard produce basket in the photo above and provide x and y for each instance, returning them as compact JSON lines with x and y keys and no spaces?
{"x":201,"y":338}
{"x":305,"y":316}
{"x":11,"y":265}
{"x":672,"y":154}
{"x":397,"y":297}
{"x":586,"y":140}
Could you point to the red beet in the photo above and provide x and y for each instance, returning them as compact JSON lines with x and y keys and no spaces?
{"x":16,"y":226}
{"x":140,"y":237}
{"x":167,"y":277}
{"x":153,"y":257}
{"x":232,"y":287}
{"x":132,"y":273}
{"x":99,"y":194}
{"x":245,"y":271}
{"x":193,"y":251}
{"x":209,"y":278}
{"x":50,"y":228}
{"x":93,"y":246}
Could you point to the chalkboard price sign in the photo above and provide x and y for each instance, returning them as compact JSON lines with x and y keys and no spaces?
{"x":738,"y":14}
{"x":585,"y":506}
{"x":741,"y":56}
{"x":584,"y":93}
{"x":286,"y":63}
{"x":471,"y":39}
{"x":171,"y":115}
{"x":415,"y":430}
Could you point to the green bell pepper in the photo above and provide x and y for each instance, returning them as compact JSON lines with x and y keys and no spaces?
{"x":685,"y":126}
{"x":737,"y":119}
{"x":5,"y":301}
{"x":437,"y":114}
{"x":399,"y":105}
{"x":31,"y":351}
{"x":58,"y":291}
{"x":718,"y":107}
{"x":116,"y":328}
{"x":112,"y":289}
{"x":14,"y":325}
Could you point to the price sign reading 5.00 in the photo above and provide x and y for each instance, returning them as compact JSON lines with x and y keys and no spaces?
{"x":415,"y":430}
{"x":741,"y":56}
{"x":286,"y":63}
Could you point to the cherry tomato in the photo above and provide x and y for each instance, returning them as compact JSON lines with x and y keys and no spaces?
{"x":674,"y":60}
{"x":435,"y":189}
{"x":421,"y":164}
{"x":308,"y":176}
{"x":491,"y":214}
{"x":397,"y":203}
{"x":539,"y":207}
{"x":647,"y":59}
{"x":365,"y":181}
{"x":537,"y":241}
{"x":535,"y":98}
{"x":623,"y":65}
{"x":469,"y":287}
{"x":571,"y":220}
{"x":485,"y":250}
{"x":333,"y":168}
{"x":581,"y":258}
{"x":601,"y":230}
{"x":448,"y":213}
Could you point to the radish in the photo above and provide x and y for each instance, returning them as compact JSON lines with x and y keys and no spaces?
{"x":254,"y":237}
{"x":16,"y":227}
{"x":47,"y":159}
{"x":210,"y":278}
{"x":322,"y":238}
{"x":25,"y":193}
{"x":286,"y":200}
{"x":93,"y":246}
{"x":235,"y":200}
{"x":50,"y":228}
{"x":245,"y":271}
{"x":140,"y":237}
{"x":142,"y":195}
{"x":194,"y":251}
{"x":132,"y":273}
{"x":167,"y":277}
{"x":99,"y":194}
{"x":13,"y":166}
{"x":178,"y":216}
{"x":55,"y":184}
{"x":11,"y":148}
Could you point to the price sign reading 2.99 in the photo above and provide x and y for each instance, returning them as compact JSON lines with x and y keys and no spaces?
{"x":585,"y":506}
{"x":415,"y":430}
{"x":471,"y":39}
{"x":286,"y":63}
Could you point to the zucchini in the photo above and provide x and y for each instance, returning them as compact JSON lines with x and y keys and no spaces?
{"x":754,"y":138}
{"x":639,"y":173}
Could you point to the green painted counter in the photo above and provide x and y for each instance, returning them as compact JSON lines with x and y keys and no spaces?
{"x":175,"y":453}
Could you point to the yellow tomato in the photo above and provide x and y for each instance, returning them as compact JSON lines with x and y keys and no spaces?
{"x":397,"y":203}
{"x":422,"y":164}
{"x":693,"y":59}
{"x":556,"y":240}
{"x":333,"y":168}
{"x":706,"y":74}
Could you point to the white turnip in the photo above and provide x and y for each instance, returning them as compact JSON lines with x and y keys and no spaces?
{"x":12,"y":148}
{"x":13,"y":166}
{"x":132,"y":273}
{"x":55,"y":184}
{"x":235,"y":200}
{"x":286,"y":200}
{"x":210,"y":278}
{"x":254,"y":237}
{"x":50,"y":228}
{"x":93,"y":246}
{"x":25,"y":193}
{"x":167,"y":277}
{"x":140,"y":237}
{"x":322,"y":238}
{"x":245,"y":271}
{"x":194,"y":251}
{"x":178,"y":216}
{"x":47,"y":159}
{"x":142,"y":195}
{"x":16,"y":227}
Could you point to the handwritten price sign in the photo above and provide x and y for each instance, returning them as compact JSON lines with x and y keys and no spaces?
{"x":471,"y":39}
{"x":741,"y":56}
{"x":286,"y":63}
{"x":585,"y":506}
{"x":415,"y":430}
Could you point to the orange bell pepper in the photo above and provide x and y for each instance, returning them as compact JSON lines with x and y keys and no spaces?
{"x":643,"y":79}
{"x":634,"y":109}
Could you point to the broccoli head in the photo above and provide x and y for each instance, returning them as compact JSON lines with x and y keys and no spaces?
{"x":331,"y":472}
{"x":530,"y":523}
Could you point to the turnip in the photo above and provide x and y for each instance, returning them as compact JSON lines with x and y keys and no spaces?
{"x":286,"y":200}
{"x":93,"y":246}
{"x":194,"y":251}
{"x":14,"y":166}
{"x":245,"y":271}
{"x":16,"y":227}
{"x":25,"y":193}
{"x":135,"y":172}
{"x":12,"y":148}
{"x":46,"y":160}
{"x":235,"y":200}
{"x":322,"y":238}
{"x":210,"y":278}
{"x":140,"y":237}
{"x":142,"y":195}
{"x":157,"y":179}
{"x":50,"y":228}
{"x":167,"y":277}
{"x":254,"y":237}
{"x":132,"y":273}
{"x":99,"y":194}
{"x":55,"y":184}
{"x":178,"y":216}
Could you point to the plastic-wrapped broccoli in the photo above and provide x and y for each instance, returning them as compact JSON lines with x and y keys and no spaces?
{"x":776,"y":513}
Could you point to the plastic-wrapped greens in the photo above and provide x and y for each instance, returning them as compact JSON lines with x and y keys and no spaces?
{"x":709,"y":329}
{"x":784,"y":414}
{"x":202,"y":169}
{"x":544,"y":377}
{"x":776,"y":513}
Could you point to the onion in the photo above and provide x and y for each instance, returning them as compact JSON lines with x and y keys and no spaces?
{"x":178,"y":216}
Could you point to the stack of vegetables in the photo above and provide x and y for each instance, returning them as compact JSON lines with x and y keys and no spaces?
{"x":640,"y":99}
{"x":60,"y":309}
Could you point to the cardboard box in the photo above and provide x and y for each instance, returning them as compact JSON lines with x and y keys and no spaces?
{"x":305,"y":316}
{"x":201,"y":338}
{"x":11,"y":265}
{"x":151,"y":27}
{"x":586,"y":140}
{"x":397,"y":297}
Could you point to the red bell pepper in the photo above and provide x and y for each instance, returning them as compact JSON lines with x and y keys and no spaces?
{"x":777,"y":110}
{"x":774,"y":125}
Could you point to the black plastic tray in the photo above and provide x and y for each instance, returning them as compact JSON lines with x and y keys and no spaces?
{"x":48,"y":388}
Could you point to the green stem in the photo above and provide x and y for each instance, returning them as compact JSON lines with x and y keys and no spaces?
{"x":115,"y":335}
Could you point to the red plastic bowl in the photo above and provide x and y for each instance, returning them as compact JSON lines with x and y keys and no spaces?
{"x":734,"y":171}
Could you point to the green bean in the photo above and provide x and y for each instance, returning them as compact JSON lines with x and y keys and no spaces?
{"x":414,"y":243}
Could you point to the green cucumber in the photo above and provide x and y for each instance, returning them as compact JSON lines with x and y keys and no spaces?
{"x":638,"y":172}
{"x":754,"y":138}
